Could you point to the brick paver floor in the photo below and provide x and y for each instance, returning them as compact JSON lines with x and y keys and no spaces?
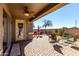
{"x":15,"y":51}
{"x":42,"y":47}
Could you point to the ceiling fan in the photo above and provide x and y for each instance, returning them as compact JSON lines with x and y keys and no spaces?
{"x":27,"y":11}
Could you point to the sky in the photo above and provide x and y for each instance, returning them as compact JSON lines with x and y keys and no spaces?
{"x":63,"y":17}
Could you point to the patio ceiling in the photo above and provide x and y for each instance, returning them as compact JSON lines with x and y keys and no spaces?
{"x":37,"y":10}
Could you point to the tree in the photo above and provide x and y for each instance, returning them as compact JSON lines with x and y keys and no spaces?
{"x":33,"y":25}
{"x":47,"y":23}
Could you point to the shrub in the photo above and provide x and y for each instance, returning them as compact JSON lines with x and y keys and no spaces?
{"x":53,"y":36}
{"x":61,"y":31}
{"x":56,"y":32}
{"x":76,"y":37}
{"x":66,"y":34}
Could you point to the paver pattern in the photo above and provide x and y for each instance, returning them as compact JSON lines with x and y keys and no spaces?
{"x":15,"y":50}
{"x":42,"y":47}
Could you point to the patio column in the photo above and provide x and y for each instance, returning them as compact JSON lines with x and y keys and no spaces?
{"x":13,"y":30}
{"x":29,"y":29}
{"x":24,"y":30}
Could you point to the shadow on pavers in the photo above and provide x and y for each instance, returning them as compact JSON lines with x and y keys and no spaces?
{"x":58,"y":48}
{"x":23,"y":44}
{"x":76,"y":48}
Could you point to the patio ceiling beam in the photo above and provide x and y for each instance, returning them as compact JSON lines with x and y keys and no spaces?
{"x":44,"y":10}
{"x":48,"y":9}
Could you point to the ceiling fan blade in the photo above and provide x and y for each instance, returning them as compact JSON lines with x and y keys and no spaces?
{"x":27,"y":10}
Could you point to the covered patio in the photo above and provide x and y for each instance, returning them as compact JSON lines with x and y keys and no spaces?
{"x":16,"y":23}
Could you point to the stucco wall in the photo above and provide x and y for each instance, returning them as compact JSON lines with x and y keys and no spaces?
{"x":73,"y":31}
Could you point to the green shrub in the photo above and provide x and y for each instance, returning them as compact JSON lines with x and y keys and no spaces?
{"x":66,"y":34}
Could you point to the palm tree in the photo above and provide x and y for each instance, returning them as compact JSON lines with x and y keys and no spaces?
{"x":47,"y":23}
{"x":33,"y":25}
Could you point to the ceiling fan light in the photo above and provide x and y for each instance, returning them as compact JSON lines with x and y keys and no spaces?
{"x":26,"y":14}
